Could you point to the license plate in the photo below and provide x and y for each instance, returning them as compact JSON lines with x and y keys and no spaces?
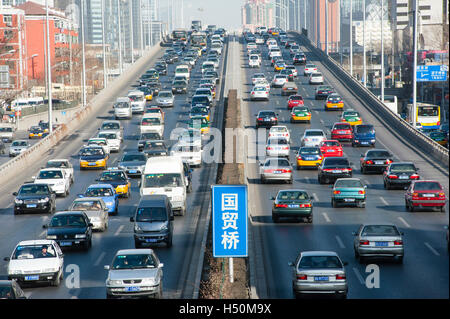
{"x":330,"y":151}
{"x":309,"y":158}
{"x":151,"y":240}
{"x":31,"y":206}
{"x":381,"y":243}
{"x":293,"y":206}
{"x":65,"y":243}
{"x":404,"y":177}
{"x":379,"y":162}
{"x":428,"y":195}
{"x":92,"y":164}
{"x":336,"y":171}
{"x":342,"y":132}
{"x":133,"y":171}
{"x":349,"y":199}
{"x":277,"y":172}
{"x":364,"y":143}
{"x":321,"y":278}
{"x":34,"y":277}
{"x":131,"y":289}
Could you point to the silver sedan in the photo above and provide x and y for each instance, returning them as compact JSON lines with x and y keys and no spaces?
{"x":276,"y":169}
{"x":259,"y":93}
{"x":277,"y":147}
{"x":319,"y":272}
{"x":373,"y":240}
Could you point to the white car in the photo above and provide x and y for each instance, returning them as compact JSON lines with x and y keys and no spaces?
{"x":316,"y":78}
{"x":259,"y":40}
{"x":183,"y":70}
{"x":189,"y":136}
{"x":310,"y":68}
{"x":165,"y":98}
{"x":257,"y":77}
{"x":152,"y":122}
{"x":277,"y":147}
{"x":189,"y":153}
{"x":275,"y":52}
{"x":254,"y":61}
{"x":103,"y":142}
{"x":56,"y":178}
{"x":280,"y":132}
{"x":313,"y":137}
{"x":112,"y":125}
{"x":293,"y":68}
{"x":263,"y":83}
{"x":63,"y":164}
{"x":122,"y":108}
{"x":251,"y":46}
{"x":259,"y":93}
{"x":113,"y":138}
{"x":36,"y":261}
{"x":138,"y":101}
{"x":279,"y":80}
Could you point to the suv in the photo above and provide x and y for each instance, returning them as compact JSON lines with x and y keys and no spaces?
{"x":153,"y":221}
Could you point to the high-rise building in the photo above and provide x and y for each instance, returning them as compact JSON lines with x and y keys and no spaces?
{"x":316,"y":23}
{"x":257,"y":13}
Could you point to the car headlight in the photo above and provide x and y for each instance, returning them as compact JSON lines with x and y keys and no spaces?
{"x":51,"y":236}
{"x":100,"y":161}
{"x":18,"y":201}
{"x":44,"y":200}
{"x":137,"y":228}
{"x":50,"y":270}
{"x":122,"y":167}
{"x":16,"y":272}
{"x":80,"y":236}
{"x":113,"y":282}
{"x":165,"y":227}
{"x":109,"y":203}
{"x":373,"y":141}
{"x":149,"y":281}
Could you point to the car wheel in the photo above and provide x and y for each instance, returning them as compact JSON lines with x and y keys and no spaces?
{"x":290,"y":181}
{"x":275,"y":219}
{"x":57,"y":280}
{"x":320,"y":179}
{"x":189,"y":190}
{"x":333,"y":203}
{"x":356,"y":253}
{"x":442,"y":209}
{"x":263,"y":180}
{"x":108,"y":296}
{"x":169,"y":242}
{"x":362,"y":204}
{"x":128,"y":195}
{"x":363,"y":170}
{"x":310,"y":219}
{"x":158,"y":295}
{"x":116,"y":210}
{"x":137,"y":244}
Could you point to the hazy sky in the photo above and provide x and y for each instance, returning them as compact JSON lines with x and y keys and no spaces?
{"x":223,"y":13}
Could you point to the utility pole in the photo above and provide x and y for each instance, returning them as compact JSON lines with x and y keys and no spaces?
{"x":382,"y":52}
{"x":326,"y":27}
{"x":414,"y":64}
{"x":141,"y":26}
{"x":364,"y":45}
{"x":120,"y":38}
{"x":83,"y":57}
{"x":351,"y":39}
{"x":105,"y":75}
{"x":49,"y":72}
{"x":130,"y":3}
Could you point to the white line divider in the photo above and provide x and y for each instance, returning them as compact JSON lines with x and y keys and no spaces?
{"x":404,"y":222}
{"x":325,"y":215}
{"x":339,"y":240}
{"x":384,"y":201}
{"x":358,"y":275}
{"x":119,"y":230}
{"x":99,"y":259}
{"x":434,"y":251}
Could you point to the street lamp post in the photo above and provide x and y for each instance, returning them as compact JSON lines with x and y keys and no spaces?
{"x":83,"y":56}
{"x":326,"y":27}
{"x":351,"y":38}
{"x":49,"y":71}
{"x":382,"y":52}
{"x":364,"y":45}
{"x":414,"y":64}
{"x":120,"y":37}
{"x":105,"y":75}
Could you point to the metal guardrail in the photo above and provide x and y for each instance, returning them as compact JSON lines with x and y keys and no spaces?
{"x":384,"y":114}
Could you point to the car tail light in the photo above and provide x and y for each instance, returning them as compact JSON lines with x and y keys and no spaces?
{"x":284,"y":89}
{"x":328,"y":169}
{"x":340,"y":277}
{"x":414,"y":176}
{"x":281,"y":205}
{"x":299,"y":157}
{"x":268,"y":171}
{"x":415,"y":195}
{"x":336,"y":192}
{"x":347,"y":170}
{"x":361,"y":192}
{"x":268,"y":148}
{"x":398,"y":242}
{"x":438,"y":123}
{"x":260,"y":119}
{"x":253,"y":93}
{"x":285,"y":148}
{"x":305,"y":205}
{"x":286,"y":171}
{"x":369,"y":162}
{"x":302,"y":277}
{"x":442,"y":195}
{"x":364,"y":242}
{"x":392,"y":176}
{"x":388,"y":161}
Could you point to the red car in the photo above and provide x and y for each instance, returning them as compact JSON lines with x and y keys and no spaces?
{"x":331,"y":148}
{"x":342,"y":131}
{"x":425,"y":193}
{"x":295,"y":100}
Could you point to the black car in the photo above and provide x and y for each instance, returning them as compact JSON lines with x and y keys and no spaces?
{"x":133,"y":163}
{"x":10,"y":289}
{"x":266,"y":119}
{"x":179,"y":86}
{"x":155,"y":148}
{"x":155,"y":86}
{"x":299,"y":58}
{"x":322,"y":92}
{"x":212,"y":74}
{"x":161,"y":68}
{"x":34,"y":198}
{"x":150,"y":136}
{"x":333,"y":168}
{"x":400,"y":174}
{"x":168,"y":58}
{"x":70,"y":229}
{"x":200,"y":100}
{"x":376,"y":160}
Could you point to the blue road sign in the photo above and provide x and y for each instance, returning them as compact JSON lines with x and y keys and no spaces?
{"x":230,"y":211}
{"x":431,"y":73}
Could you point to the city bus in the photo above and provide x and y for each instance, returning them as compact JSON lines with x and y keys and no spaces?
{"x":428,"y":116}
{"x":180,"y":35}
{"x":391,"y":103}
{"x":199,"y":38}
{"x":196,"y":25}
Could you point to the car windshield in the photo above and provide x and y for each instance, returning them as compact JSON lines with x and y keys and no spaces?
{"x":334,"y":98}
{"x":314,"y":133}
{"x":402,"y":168}
{"x":364,"y":129}
{"x":150,"y":136}
{"x":165,"y":94}
{"x":350,"y":113}
{"x":34,"y":190}
{"x":151,"y":214}
{"x":427,"y":186}
{"x":296,"y":98}
{"x":153,"y":144}
{"x":86,"y":205}
{"x":98,"y":192}
{"x":277,"y":162}
{"x":33,"y":251}
{"x":319,"y":262}
{"x":151,"y":121}
{"x":309,"y":151}
{"x":333,"y":162}
{"x":19,"y":143}
{"x":6,"y":129}
{"x":97,"y":142}
{"x":348,"y":183}
{"x":57,"y":164}
{"x":68,"y":221}
{"x":136,"y":97}
{"x":382,"y":154}
{"x":292,"y":195}
{"x":50,"y":175}
{"x":133,"y":261}
{"x":179,"y":83}
{"x":379,"y":230}
{"x":110,"y":126}
{"x":121,"y":105}
{"x":92,"y":152}
{"x":200,"y":100}
{"x":113,"y":176}
{"x":196,"y":109}
{"x":134,"y":158}
{"x":331,"y":143}
{"x":108,"y":136}
{"x":163,"y":180}
{"x":267,"y":114}
{"x":342,"y":127}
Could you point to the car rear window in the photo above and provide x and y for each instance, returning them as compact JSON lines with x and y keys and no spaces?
{"x":364,"y":129}
{"x":342,"y":127}
{"x":333,"y":162}
{"x":314,"y":133}
{"x":292,"y":195}
{"x":382,"y":154}
{"x":296,"y":98}
{"x":348,"y":183}
{"x":380,"y":230}
{"x":427,"y":186}
{"x":402,"y":168}
{"x":319,"y":262}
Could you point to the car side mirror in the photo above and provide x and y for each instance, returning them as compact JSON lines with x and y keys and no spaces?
{"x":80,"y":195}
{"x":290,"y":264}
{"x":272,"y":198}
{"x":45,"y":226}
{"x":132,"y":219}
{"x":161,"y":265}
{"x":15,"y":194}
{"x":171,"y":217}
{"x":365,"y":186}
{"x":106,"y":209}
{"x":417,"y":169}
{"x":90,"y":225}
{"x":6,"y":258}
{"x":354,"y":233}
{"x":106,"y":267}
{"x":345,"y":263}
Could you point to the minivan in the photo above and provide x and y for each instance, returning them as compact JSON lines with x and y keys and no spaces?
{"x":364,"y":135}
{"x":137,"y":101}
{"x":153,"y":221}
{"x":122,"y":108}
{"x":152,"y":122}
{"x":164,"y":175}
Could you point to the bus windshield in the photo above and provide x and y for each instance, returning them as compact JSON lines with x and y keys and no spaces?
{"x":427,"y":110}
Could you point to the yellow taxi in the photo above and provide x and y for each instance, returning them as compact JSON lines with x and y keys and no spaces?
{"x":351,"y":117}
{"x":334,"y":102}
{"x":118,"y":179}
{"x":93,"y":156}
{"x":310,"y":157}
{"x":279,"y":66}
{"x":35,"y":132}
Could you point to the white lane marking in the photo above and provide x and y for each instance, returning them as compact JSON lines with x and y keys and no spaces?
{"x":118,"y":230}
{"x":366,"y":182}
{"x":404,"y":222}
{"x":358,"y":275}
{"x":325,"y":215}
{"x":316,"y":198}
{"x":307,"y":180}
{"x":99,"y":259}
{"x":9,"y":206}
{"x":43,"y":233}
{"x":339,"y":240}
{"x":384,"y":201}
{"x":321,"y":121}
{"x":432,"y":249}
{"x":317,"y":112}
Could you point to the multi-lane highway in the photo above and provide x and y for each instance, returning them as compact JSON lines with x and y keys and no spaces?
{"x":425,"y":269}
{"x":180,"y":261}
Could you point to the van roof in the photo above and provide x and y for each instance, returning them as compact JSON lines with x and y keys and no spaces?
{"x":163,"y":164}
{"x":153,"y":200}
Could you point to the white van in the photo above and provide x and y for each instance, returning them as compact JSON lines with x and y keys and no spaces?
{"x":34,"y":101}
{"x":122,"y":108}
{"x":183,"y":70}
{"x":152,"y":122}
{"x":19,"y":104}
{"x":275,"y":51}
{"x":137,"y":101}
{"x":164,"y":175}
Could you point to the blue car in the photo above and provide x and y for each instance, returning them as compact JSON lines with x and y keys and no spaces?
{"x":105,"y":192}
{"x":364,"y":135}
